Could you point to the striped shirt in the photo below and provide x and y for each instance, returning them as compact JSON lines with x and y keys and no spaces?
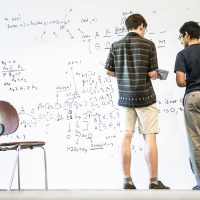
{"x":131,"y":58}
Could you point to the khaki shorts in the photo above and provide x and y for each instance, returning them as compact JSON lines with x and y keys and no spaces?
{"x":147,"y":119}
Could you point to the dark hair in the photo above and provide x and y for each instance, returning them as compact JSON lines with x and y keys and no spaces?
{"x":135,"y":20}
{"x":192,"y":28}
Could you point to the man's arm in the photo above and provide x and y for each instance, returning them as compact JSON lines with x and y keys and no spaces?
{"x":180,"y":79}
{"x":110,"y":73}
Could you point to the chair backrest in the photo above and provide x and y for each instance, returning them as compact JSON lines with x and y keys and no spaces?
{"x":9,"y":120}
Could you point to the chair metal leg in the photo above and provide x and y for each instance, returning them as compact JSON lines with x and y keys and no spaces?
{"x":45,"y":168}
{"x":18,"y":164}
{"x":14,"y":168}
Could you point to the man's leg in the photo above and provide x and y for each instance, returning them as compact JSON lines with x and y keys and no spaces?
{"x":126,"y":153}
{"x":192,"y":120}
{"x":126,"y":160}
{"x":128,"y":124}
{"x":151,"y":154}
{"x":148,"y":126}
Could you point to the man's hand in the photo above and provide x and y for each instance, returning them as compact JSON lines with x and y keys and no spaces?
{"x":109,"y":73}
{"x":153,"y":74}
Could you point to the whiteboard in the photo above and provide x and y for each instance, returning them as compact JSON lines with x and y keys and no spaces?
{"x":51,"y":69}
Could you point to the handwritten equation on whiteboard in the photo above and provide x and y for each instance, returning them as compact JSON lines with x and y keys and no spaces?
{"x":85,"y":108}
{"x":88,"y":31}
{"x":14,"y":77}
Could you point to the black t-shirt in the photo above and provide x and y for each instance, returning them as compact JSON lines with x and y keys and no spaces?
{"x":188,"y":62}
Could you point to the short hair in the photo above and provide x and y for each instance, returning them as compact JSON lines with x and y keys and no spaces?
{"x":192,"y":28}
{"x":135,"y":20}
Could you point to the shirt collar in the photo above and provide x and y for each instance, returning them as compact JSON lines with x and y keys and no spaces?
{"x":133,"y":34}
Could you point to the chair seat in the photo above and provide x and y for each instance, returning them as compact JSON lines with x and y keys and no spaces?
{"x":23,"y":145}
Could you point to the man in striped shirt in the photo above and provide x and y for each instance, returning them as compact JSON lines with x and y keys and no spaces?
{"x":133,"y":61}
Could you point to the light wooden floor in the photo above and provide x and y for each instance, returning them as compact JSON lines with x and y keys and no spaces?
{"x":100,"y":194}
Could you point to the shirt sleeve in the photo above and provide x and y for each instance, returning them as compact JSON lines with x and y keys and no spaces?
{"x":153,"y":61}
{"x":180,"y":63}
{"x":110,"y":61}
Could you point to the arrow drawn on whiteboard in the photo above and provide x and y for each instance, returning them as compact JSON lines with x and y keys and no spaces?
{"x":43,"y":34}
{"x":70,"y":34}
{"x":57,"y":95}
{"x":80,"y":31}
{"x":70,"y":10}
{"x":75,"y":89}
{"x":77,"y":125}
{"x":89,"y":46}
{"x":47,"y":128}
{"x":55,"y":34}
{"x":69,"y":128}
{"x":85,"y":126}
{"x":77,"y":141}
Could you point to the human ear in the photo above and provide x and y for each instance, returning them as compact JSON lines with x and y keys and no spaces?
{"x":141,"y":27}
{"x":186,"y":35}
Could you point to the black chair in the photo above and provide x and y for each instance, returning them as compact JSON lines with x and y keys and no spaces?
{"x":9,"y":122}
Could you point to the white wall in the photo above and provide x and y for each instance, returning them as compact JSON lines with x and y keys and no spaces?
{"x":51,"y":69}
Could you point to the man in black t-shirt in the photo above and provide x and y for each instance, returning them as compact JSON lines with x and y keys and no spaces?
{"x":187,"y":69}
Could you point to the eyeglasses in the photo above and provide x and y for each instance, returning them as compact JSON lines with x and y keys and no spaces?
{"x":180,"y":36}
